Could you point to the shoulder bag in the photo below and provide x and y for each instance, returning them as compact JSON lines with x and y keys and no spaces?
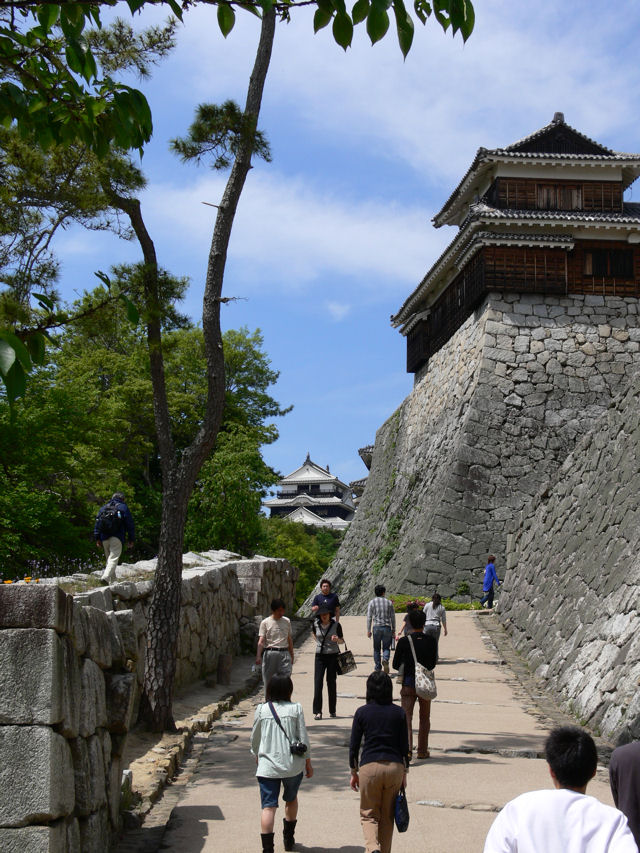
{"x":425,"y":678}
{"x":346,"y":661}
{"x":401,"y":811}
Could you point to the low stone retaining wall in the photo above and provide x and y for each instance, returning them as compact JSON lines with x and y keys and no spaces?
{"x":71,"y":669}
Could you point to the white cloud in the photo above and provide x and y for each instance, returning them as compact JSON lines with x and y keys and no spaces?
{"x":338,"y":310}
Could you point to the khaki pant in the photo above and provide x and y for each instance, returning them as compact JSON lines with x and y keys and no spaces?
{"x":380,"y":781}
{"x":408,"y":698}
{"x":112,"y":550}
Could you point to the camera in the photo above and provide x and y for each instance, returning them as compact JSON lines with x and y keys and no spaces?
{"x":298,"y":747}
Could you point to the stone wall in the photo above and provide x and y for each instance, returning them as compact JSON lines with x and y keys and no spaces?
{"x":491,"y":417}
{"x":571,"y":598}
{"x":71,"y":669}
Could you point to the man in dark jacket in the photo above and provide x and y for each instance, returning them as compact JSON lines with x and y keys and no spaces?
{"x":114,"y":522}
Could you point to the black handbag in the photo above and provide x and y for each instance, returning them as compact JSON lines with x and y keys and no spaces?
{"x":401,"y":811}
{"x":346,"y":662}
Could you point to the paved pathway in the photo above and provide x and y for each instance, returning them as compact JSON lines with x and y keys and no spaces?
{"x":485,"y":739}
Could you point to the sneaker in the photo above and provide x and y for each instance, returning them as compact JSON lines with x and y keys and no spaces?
{"x":385,"y":666}
{"x":317,"y":716}
{"x":426,"y":754}
{"x":333,"y":715}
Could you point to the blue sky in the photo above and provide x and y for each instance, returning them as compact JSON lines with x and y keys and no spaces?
{"x":335,"y":232}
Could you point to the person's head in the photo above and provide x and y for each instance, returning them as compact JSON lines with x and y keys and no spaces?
{"x":491,"y":558}
{"x":325,"y":586}
{"x":417,"y":618}
{"x":380,"y":590}
{"x":412,"y":605}
{"x":436,"y":599}
{"x":118,"y":496}
{"x":572,"y":757}
{"x":279,"y":689}
{"x":277,"y":608}
{"x":379,"y":688}
{"x":324,"y":615}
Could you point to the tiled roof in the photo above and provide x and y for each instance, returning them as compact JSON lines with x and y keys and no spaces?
{"x":629,"y":215}
{"x":556,"y":122}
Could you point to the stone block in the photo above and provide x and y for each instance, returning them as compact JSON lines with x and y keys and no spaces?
{"x":36,"y":775}
{"x":121,"y":699}
{"x":124,"y":590}
{"x":95,"y":834}
{"x":127,"y":628}
{"x":118,"y":656}
{"x":101,"y":599}
{"x":99,"y":637}
{"x":36,"y":606}
{"x":70,"y":722}
{"x":35,"y":839}
{"x":31,"y":663}
{"x":89,"y":774}
{"x":80,"y":628}
{"x":93,"y":703}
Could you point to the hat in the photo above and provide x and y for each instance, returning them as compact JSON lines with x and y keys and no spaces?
{"x":322,"y":609}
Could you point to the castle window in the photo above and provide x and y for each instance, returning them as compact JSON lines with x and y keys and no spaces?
{"x":559,"y":197}
{"x":609,"y":263}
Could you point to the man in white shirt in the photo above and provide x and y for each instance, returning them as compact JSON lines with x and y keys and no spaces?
{"x":275,"y":643}
{"x":564,"y":820}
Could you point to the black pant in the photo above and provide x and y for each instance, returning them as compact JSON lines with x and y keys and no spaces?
{"x":325,"y":663}
{"x":488,"y":596}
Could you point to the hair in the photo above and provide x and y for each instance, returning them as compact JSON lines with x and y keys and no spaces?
{"x":412,"y":605}
{"x":572,"y":755}
{"x":491,"y":557}
{"x":380,"y":590}
{"x":279,"y":689}
{"x":436,"y":598}
{"x":325,"y":580}
{"x":118,"y":496}
{"x":379,"y":688}
{"x":417,"y":618}
{"x":277,"y":603}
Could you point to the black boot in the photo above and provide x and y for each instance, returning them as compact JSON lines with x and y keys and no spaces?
{"x":287,"y":834}
{"x":267,"y":842}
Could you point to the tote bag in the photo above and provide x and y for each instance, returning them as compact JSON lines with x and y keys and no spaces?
{"x":346,"y":662}
{"x":425,"y":678}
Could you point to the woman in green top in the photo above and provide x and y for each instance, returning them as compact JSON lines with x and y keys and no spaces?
{"x":271,"y":739}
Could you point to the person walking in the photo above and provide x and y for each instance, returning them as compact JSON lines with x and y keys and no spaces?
{"x":381,"y":624}
{"x":435,"y":617}
{"x":406,"y":627}
{"x":381,"y":770}
{"x":426,"y":649}
{"x":280,"y":744}
{"x":326,"y":598}
{"x":624,"y":778}
{"x":275,"y":643}
{"x":114,"y":523}
{"x":564,"y":820}
{"x":328,"y":634}
{"x":490,"y":577}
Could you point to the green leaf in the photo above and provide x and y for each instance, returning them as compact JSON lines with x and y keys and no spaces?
{"x":176,"y":8}
{"x":104,"y":278}
{"x":48,"y":15}
{"x":226,"y":19}
{"x":7,"y":357}
{"x":404,"y":26}
{"x":321,"y":19}
{"x":462,"y":17}
{"x":44,"y":301}
{"x":422,"y":9}
{"x":21,"y":352}
{"x":360,"y":11}
{"x":378,"y":20}
{"x":36,"y":345}
{"x":75,"y":56}
{"x":133,"y":315}
{"x":15,"y":381}
{"x":343,"y":30}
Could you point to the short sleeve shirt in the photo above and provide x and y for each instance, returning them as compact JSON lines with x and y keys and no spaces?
{"x":276,"y":632}
{"x":331,"y":601}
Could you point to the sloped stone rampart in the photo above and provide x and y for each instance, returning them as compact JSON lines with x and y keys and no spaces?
{"x":571,"y":598}
{"x":70,"y":676}
{"x":491,"y":417}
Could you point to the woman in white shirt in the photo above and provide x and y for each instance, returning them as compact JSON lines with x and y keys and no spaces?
{"x":280,"y":744}
{"x":436,"y":616}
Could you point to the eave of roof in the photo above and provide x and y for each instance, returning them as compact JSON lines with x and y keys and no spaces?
{"x":482,"y":214}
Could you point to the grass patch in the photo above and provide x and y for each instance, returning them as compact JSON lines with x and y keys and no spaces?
{"x":400,"y":603}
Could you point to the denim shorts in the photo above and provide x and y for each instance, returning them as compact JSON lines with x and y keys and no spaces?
{"x":270,"y":789}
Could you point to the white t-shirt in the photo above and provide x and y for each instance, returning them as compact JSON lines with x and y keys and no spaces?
{"x":559,"y":821}
{"x":275,"y":632}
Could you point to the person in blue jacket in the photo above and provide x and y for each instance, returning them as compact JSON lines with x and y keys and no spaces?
{"x":114,"y":523}
{"x":487,"y":585}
